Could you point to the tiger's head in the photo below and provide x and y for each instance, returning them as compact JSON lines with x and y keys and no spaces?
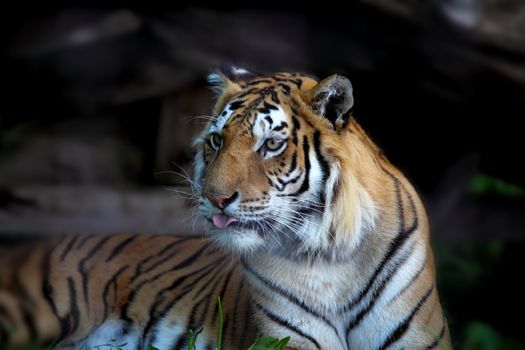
{"x":278,"y":166}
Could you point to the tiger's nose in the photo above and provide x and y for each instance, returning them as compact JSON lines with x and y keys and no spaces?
{"x":222,"y":200}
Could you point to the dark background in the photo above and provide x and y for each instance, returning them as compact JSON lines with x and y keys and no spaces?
{"x":98,"y":109}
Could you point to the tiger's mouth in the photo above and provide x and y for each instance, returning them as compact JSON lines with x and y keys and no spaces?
{"x":224,"y":221}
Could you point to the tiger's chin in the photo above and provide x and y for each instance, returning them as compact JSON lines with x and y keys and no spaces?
{"x":239,"y":240}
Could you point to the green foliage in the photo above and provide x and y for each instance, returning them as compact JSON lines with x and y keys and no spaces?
{"x":466,"y":269}
{"x":481,"y":336}
{"x":192,"y":338}
{"x":466,"y":265}
{"x":219,"y":335}
{"x":261,"y":343}
{"x":269,"y":343}
{"x":486,"y":184}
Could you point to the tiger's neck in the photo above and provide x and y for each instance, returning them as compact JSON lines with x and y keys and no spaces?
{"x":342,"y":292}
{"x":399,"y":221}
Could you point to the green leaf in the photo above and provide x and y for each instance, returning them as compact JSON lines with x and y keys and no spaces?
{"x":192,"y":338}
{"x":483,"y":183}
{"x":219,"y":335}
{"x":269,"y":343}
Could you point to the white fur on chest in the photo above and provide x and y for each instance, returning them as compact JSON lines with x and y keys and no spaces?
{"x":327,"y":286}
{"x":348,"y":303}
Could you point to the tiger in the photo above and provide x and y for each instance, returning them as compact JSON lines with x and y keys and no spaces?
{"x":310,"y":233}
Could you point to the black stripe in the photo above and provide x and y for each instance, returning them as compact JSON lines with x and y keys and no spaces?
{"x":281,"y":126}
{"x":73,"y":307}
{"x":412,"y":280}
{"x":139,"y":270}
{"x":291,"y":297}
{"x":286,"y":324}
{"x":47,"y":292}
{"x":223,"y":290}
{"x":105,"y":293}
{"x":286,"y":88}
{"x":246,"y":328}
{"x":439,"y":338}
{"x":306,"y":183}
{"x":29,"y":322}
{"x":296,"y":126}
{"x":286,"y":183}
{"x":297,"y":82}
{"x":409,"y":196}
{"x":119,"y":248}
{"x":235,"y":311}
{"x":267,"y":108}
{"x":379,"y":290}
{"x":247,"y":92}
{"x":124,"y":311}
{"x":68,"y":247}
{"x":82,"y":268}
{"x":216,"y":275}
{"x":155,"y":314}
{"x":192,"y":324}
{"x":403,"y":326}
{"x":84,"y":240}
{"x":393,"y":247}
{"x":293,"y":165}
{"x":322,"y":161}
{"x":400,"y":208}
{"x":236,"y":105}
{"x":325,"y":168}
{"x":274,"y":97}
{"x":208,"y":298}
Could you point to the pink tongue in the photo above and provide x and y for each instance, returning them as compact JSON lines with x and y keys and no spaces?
{"x":222,"y":220}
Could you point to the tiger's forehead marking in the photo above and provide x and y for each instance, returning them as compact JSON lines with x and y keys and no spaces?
{"x":218,"y":124}
{"x":258,"y":108}
{"x":276,"y":120}
{"x":261,"y":122}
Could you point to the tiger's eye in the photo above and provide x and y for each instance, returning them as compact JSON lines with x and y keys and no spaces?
{"x":216,"y":140}
{"x":273,"y":144}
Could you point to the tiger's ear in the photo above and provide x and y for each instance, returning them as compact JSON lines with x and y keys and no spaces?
{"x":332,"y":99}
{"x":227,"y":80}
